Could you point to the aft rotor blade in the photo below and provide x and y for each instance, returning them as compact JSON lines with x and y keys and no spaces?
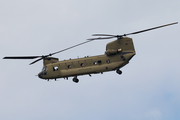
{"x":150,"y":29}
{"x":104,"y":35}
{"x":22,"y":57}
{"x":119,"y":36}
{"x":70,"y":47}
{"x":100,"y":38}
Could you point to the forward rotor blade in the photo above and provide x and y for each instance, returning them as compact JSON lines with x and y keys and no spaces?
{"x":58,"y":52}
{"x":42,"y":57}
{"x":69,"y":48}
{"x":36,"y":61}
{"x":22,"y":57}
{"x":150,"y":29}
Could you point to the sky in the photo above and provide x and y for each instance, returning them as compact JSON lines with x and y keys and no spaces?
{"x":148,"y":89}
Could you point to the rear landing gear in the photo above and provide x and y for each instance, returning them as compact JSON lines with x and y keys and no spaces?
{"x":118,"y":71}
{"x":75,"y":79}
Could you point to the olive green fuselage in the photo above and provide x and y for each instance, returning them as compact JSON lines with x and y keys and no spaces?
{"x":118,"y":53}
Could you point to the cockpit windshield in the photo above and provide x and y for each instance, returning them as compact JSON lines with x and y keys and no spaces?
{"x":44,"y":68}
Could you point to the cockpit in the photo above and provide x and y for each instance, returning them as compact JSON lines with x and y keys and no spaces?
{"x":44,"y":68}
{"x":43,"y":72}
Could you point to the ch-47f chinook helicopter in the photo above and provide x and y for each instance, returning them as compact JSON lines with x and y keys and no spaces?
{"x":118,"y":53}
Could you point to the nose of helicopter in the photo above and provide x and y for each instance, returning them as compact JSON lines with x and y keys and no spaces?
{"x":40,"y":75}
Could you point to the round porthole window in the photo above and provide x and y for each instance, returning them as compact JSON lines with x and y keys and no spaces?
{"x":95,"y":63}
{"x":69,"y":66}
{"x":108,"y":61}
{"x":82,"y":65}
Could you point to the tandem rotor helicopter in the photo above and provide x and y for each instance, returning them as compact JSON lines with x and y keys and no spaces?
{"x":118,"y":53}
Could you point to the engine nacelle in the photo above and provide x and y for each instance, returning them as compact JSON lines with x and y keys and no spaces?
{"x":112,"y":52}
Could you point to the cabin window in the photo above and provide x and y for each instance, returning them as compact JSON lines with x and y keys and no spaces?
{"x":108,"y":61}
{"x":69,"y":66}
{"x":55,"y":68}
{"x":99,"y":61}
{"x":82,"y":64}
{"x":95,"y":63}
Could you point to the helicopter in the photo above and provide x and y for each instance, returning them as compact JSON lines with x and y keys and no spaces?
{"x":118,"y":54}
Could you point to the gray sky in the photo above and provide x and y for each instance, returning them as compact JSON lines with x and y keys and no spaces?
{"x":148,"y":89}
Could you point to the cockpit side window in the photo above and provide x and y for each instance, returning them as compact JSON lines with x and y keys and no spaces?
{"x":44,"y":68}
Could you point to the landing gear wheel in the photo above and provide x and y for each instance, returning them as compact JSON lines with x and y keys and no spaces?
{"x":75,"y":80}
{"x":119,"y":72}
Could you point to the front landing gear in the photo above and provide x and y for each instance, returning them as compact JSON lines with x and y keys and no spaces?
{"x":75,"y":79}
{"x":118,"y":71}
